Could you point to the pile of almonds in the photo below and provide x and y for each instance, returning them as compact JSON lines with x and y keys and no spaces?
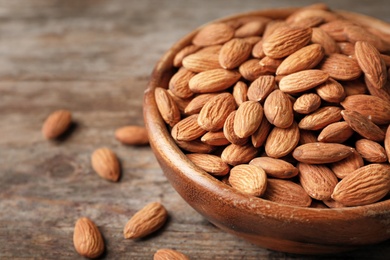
{"x":295,"y":111}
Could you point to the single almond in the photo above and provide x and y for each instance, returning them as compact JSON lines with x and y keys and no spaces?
{"x":228,"y":131}
{"x":215,"y":80}
{"x":371,"y":151}
{"x":215,"y":138}
{"x":366,"y":185}
{"x":363,"y":126}
{"x":234,"y":52}
{"x":261,"y":87}
{"x":209,"y":163}
{"x":56,"y":123}
{"x":375,"y":108}
{"x":320,"y":153}
{"x":383,"y":93}
{"x":145,"y":221}
{"x":251,"y":28}
{"x":257,"y":50}
{"x":179,"y":83}
{"x":371,"y":63}
{"x":387,"y":142}
{"x":212,"y":34}
{"x":240,"y":91}
{"x":248,"y":179}
{"x":307,"y":103}
{"x":276,"y":168}
{"x":321,"y":37}
{"x":203,"y":60}
{"x":303,"y":59}
{"x":348,"y":165}
{"x":105,"y":163}
{"x":320,"y":118}
{"x":281,"y":141}
{"x":167,"y":107}
{"x":235,"y":154}
{"x":132,"y":135}
{"x":336,"y":28}
{"x":259,"y":137}
{"x":214,"y":113}
{"x":248,"y":118}
{"x":346,"y":48}
{"x":196,"y":104}
{"x":187,"y":129}
{"x":303,"y":80}
{"x":278,"y":109}
{"x":252,"y":69}
{"x":337,"y":132}
{"x":195,"y":146}
{"x":317,"y":180}
{"x":331,"y":91}
{"x":187,"y":50}
{"x":286,"y":192}
{"x":270,"y":64}
{"x":169,"y":254}
{"x":87,"y":239}
{"x":181,"y":103}
{"x":341,"y":67}
{"x":286,"y":40}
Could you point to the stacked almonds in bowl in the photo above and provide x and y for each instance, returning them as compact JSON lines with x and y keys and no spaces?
{"x":293,"y":110}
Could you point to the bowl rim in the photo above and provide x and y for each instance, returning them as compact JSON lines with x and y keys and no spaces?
{"x":166,"y":149}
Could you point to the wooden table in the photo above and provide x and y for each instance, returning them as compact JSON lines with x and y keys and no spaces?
{"x":94,"y":58}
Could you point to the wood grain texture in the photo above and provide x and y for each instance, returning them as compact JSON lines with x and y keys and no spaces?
{"x":94,"y":57}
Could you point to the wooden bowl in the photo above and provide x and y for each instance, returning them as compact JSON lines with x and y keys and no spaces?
{"x":264,"y":223}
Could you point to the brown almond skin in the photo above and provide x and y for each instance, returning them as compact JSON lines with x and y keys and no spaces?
{"x":387,"y":143}
{"x":238,"y":154}
{"x":282,"y":141}
{"x":348,"y":165}
{"x":195,"y":146}
{"x":248,"y":179}
{"x":320,"y":153}
{"x":276,"y":168}
{"x":248,"y":118}
{"x":228,"y":130}
{"x":196,"y":104}
{"x":320,"y":118}
{"x":146,"y":221}
{"x":321,"y":37}
{"x":371,"y":151}
{"x":215,"y":80}
{"x":215,"y":138}
{"x":240,"y":91}
{"x":177,"y":61}
{"x":169,"y":254}
{"x":87,"y":239}
{"x":179,"y":83}
{"x":278,"y":109}
{"x":106,"y":164}
{"x":252,"y":69}
{"x":307,"y":103}
{"x":203,"y":60}
{"x":337,"y":132}
{"x":210,"y":163}
{"x":234,"y":52}
{"x":286,"y":192}
{"x":302,"y":81}
{"x":212,"y":34}
{"x":259,"y":137}
{"x":167,"y":106}
{"x":317,"y":180}
{"x":261,"y":87}
{"x":366,"y":185}
{"x":377,"y":109}
{"x":363,"y":126}
{"x":187,"y":129}
{"x":56,"y":123}
{"x":341,"y":67}
{"x":132,"y":135}
{"x":331,"y":91}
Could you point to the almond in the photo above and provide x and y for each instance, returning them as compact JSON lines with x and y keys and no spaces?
{"x":228,"y":131}
{"x":321,"y":37}
{"x":169,"y":254}
{"x":234,"y":53}
{"x":240,"y":91}
{"x":371,"y":151}
{"x":303,"y":59}
{"x":317,"y":180}
{"x":357,"y":33}
{"x":346,"y":48}
{"x":257,"y":50}
{"x":270,"y":64}
{"x":187,"y":129}
{"x":196,"y":104}
{"x":167,"y":106}
{"x":278,"y":109}
{"x":331,"y":91}
{"x":203,"y":60}
{"x":320,"y":118}
{"x":212,"y":34}
{"x":371,"y":63}
{"x":303,"y":80}
{"x":251,"y":69}
{"x":248,"y":118}
{"x":320,"y":153}
{"x":195,"y":146}
{"x":248,"y":179}
{"x":261,"y":87}
{"x":375,"y":108}
{"x":282,"y":141}
{"x":341,"y":67}
{"x":286,"y":192}
{"x":145,"y":221}
{"x":87,"y":239}
{"x":286,"y":40}
{"x":337,"y":132}
{"x":181,"y":103}
{"x":276,"y":168}
{"x":383,"y":93}
{"x":363,"y":126}
{"x":365,"y":185}
{"x":215,"y":80}
{"x":177,"y":61}
{"x":132,"y":135}
{"x":307,"y":103}
{"x":238,"y":154}
{"x":251,"y":28}
{"x":215,"y":138}
{"x":209,"y":163}
{"x":260,"y":135}
{"x":307,"y":136}
{"x":387,"y":142}
{"x":179,"y":83}
{"x":105,"y":163}
{"x":335,"y":29}
{"x":348,"y":165}
{"x":56,"y":124}
{"x":214,"y":113}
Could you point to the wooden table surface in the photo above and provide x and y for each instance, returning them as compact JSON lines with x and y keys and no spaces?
{"x":94,"y":58}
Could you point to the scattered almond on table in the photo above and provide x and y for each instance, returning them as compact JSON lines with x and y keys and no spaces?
{"x":56,"y":123}
{"x":132,"y":135}
{"x":105,"y":163}
{"x":87,"y":239}
{"x":169,"y":254}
